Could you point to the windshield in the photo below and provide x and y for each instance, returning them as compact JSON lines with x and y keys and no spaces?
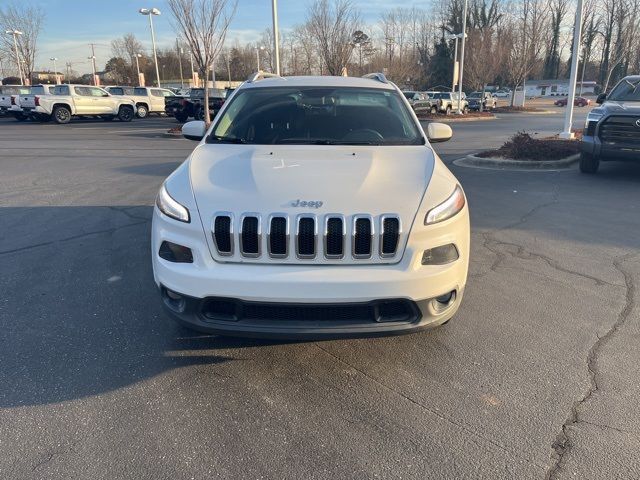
{"x":626,"y":91}
{"x":316,"y":115}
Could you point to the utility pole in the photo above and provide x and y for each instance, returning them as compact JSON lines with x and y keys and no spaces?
{"x":93,"y":63}
{"x":276,"y":40}
{"x":68,"y":65}
{"x":573,"y":77}
{"x":464,"y":35}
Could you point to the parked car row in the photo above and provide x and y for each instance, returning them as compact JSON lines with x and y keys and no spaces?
{"x":183,"y":107}
{"x":61,"y":103}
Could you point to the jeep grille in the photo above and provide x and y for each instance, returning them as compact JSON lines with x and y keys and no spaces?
{"x":314,"y":236}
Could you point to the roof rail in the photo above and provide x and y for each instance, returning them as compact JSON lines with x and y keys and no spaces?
{"x":260,"y":75}
{"x":376,"y":76}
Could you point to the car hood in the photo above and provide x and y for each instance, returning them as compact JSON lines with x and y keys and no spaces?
{"x":338,"y":179}
{"x":612,"y":106}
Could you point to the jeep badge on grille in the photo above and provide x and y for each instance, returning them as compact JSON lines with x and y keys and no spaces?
{"x":306,"y":203}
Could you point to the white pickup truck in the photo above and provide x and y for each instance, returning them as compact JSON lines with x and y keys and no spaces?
{"x":68,"y":101}
{"x":28,"y":102}
{"x":147,"y":100}
{"x":8,"y":100}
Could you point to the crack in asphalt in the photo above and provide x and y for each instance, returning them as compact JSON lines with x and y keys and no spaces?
{"x":50,"y":456}
{"x":73,"y":237}
{"x":125,"y":211}
{"x":427,"y":409}
{"x":562,"y":444}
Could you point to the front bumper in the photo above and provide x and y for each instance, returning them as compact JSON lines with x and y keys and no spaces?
{"x":592,"y":145}
{"x":309,"y":284}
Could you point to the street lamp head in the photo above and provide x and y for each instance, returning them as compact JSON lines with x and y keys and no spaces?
{"x":13,"y":32}
{"x":149,"y":11}
{"x":139,"y":55}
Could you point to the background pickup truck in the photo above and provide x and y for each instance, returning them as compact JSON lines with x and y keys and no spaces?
{"x":481,"y":101}
{"x":448,"y":102}
{"x":147,"y":100}
{"x":68,"y":101}
{"x":192,"y":106}
{"x":8,"y":104}
{"x":27,"y":102}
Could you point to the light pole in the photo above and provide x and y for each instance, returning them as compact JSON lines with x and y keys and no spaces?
{"x":258,"y":48}
{"x":180,"y":53}
{"x":573,"y":77}
{"x":55,"y":70}
{"x":68,"y":65}
{"x":276,"y":41}
{"x":193,"y":73}
{"x":138,"y":56}
{"x":150,"y":12}
{"x":456,"y":67}
{"x":15,"y":34}
{"x":464,"y":36}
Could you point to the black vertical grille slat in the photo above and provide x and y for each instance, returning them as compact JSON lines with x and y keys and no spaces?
{"x":362,"y":237}
{"x":222,"y":234}
{"x":307,"y":237}
{"x":335,"y":237}
{"x":390,"y":235}
{"x":278,"y":236}
{"x":250,"y":236}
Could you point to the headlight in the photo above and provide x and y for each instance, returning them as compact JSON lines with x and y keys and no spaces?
{"x":446,"y":209}
{"x":593,"y":117}
{"x":170,"y":207}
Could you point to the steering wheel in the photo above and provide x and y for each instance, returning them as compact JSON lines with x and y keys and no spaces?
{"x":363,"y":135}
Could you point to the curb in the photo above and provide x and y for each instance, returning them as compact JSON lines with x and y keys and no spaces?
{"x":172,"y":135}
{"x":455,"y":120}
{"x":509,"y":164}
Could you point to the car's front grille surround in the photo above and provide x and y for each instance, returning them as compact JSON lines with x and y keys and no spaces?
{"x":331,"y":237}
{"x":620,"y":130}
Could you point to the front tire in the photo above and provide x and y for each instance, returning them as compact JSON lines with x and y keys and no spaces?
{"x":143,"y":111}
{"x":61,"y":115}
{"x":589,"y":163}
{"x":125,"y":114}
{"x":182,"y":116}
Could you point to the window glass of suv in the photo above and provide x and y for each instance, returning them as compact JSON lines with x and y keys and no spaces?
{"x":317,"y":115}
{"x":97,"y":92}
{"x":116,"y":91}
{"x":61,"y":90}
{"x":156,"y":93}
{"x":140,"y":91}
{"x":626,"y":91}
{"x":441,"y":95}
{"x":83,"y":91}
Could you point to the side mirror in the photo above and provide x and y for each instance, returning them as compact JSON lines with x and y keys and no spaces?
{"x":601,"y":98}
{"x":439,"y":132}
{"x":194,"y":130}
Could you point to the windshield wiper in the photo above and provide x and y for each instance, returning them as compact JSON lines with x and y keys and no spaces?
{"x":222,"y":139}
{"x":318,"y":141}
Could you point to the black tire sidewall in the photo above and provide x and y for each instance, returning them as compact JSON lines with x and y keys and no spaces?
{"x":589,"y":163}
{"x":125,"y":117}
{"x":63,"y":121}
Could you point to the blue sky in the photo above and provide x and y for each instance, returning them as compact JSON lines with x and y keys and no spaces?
{"x":71,"y":25}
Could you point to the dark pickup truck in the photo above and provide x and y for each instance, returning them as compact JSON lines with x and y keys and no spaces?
{"x":612,"y":130}
{"x":183,"y":108}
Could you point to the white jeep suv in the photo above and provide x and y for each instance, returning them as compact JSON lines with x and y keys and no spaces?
{"x":312,"y":207}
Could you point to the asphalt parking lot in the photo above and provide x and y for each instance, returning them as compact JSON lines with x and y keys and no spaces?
{"x":536,"y":377}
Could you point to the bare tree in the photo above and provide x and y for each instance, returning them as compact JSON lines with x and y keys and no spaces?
{"x":28,"y":20}
{"x":203,"y":24}
{"x":332,"y":25}
{"x":127,"y":47}
{"x":529,"y":27}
